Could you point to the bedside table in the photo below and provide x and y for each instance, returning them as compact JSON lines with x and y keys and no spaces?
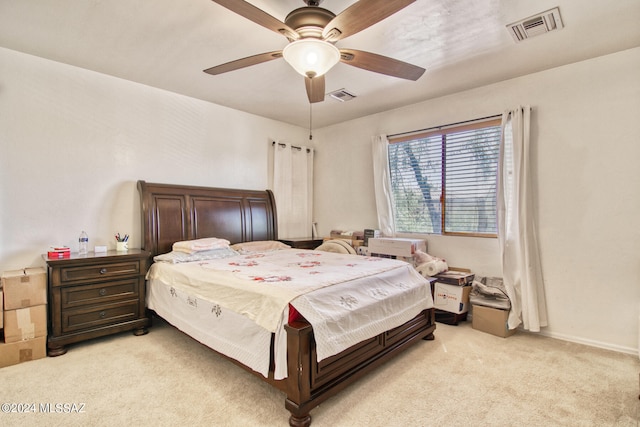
{"x":95,"y":295}
{"x":302,"y":242}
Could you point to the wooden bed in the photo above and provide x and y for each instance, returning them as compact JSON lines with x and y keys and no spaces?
{"x":173,"y":213}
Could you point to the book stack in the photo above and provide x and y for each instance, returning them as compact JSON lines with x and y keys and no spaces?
{"x":58,"y":252}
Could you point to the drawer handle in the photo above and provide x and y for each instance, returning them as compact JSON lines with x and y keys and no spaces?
{"x":103,"y":270}
{"x":103,"y":292}
{"x":102,"y":314}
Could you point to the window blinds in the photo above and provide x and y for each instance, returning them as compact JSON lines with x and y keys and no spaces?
{"x":444,"y":181}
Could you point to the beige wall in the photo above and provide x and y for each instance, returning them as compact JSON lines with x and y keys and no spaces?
{"x":586,"y":146}
{"x":73,"y":144}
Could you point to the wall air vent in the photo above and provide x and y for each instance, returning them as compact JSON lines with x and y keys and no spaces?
{"x":536,"y":25}
{"x":342,"y":95}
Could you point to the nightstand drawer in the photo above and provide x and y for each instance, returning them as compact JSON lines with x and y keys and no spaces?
{"x":99,"y":271}
{"x":93,"y":317}
{"x":100,"y":293}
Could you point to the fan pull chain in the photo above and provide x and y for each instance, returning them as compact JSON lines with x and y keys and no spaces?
{"x":310,"y":120}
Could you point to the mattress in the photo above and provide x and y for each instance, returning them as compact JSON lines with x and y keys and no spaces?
{"x":235,"y":304}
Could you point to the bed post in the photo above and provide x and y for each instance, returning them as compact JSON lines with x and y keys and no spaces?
{"x":299,"y":373}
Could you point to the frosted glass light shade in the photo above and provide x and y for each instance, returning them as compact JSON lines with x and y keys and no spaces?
{"x":311,"y":57}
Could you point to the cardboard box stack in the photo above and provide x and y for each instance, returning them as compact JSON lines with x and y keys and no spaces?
{"x":451,"y":294}
{"x":490,"y":307}
{"x":24,"y":316}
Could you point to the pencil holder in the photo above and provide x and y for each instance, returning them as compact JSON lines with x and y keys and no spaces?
{"x":122,"y":246}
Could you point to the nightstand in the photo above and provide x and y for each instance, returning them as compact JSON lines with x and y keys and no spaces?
{"x":302,"y":242}
{"x":95,"y":295}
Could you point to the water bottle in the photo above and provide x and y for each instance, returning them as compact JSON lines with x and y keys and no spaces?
{"x":83,"y":243}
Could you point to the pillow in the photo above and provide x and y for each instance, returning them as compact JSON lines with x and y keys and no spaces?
{"x":206,"y":244}
{"x":176,"y":257}
{"x":259,"y":246}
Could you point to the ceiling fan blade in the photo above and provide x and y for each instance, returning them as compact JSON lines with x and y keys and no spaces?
{"x":360,"y":15}
{"x":259,"y":16}
{"x":244,"y":62}
{"x":315,"y":88}
{"x":380,"y":64}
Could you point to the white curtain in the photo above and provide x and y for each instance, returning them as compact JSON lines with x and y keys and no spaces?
{"x":382,"y":185}
{"x":521,"y":268}
{"x":293,"y":189}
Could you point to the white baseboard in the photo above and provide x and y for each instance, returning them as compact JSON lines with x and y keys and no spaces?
{"x":592,"y":343}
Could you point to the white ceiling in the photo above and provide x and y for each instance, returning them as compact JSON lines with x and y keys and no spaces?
{"x":167,"y":43}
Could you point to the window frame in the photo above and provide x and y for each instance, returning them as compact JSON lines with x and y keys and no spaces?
{"x":443,"y":131}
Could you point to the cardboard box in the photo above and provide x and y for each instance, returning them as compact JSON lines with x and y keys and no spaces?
{"x":24,"y":288}
{"x":491,"y":320}
{"x":396,"y":246}
{"x":25,"y":323}
{"x":22,"y":351}
{"x":451,"y":298}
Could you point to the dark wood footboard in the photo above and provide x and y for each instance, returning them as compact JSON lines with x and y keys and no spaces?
{"x":310,"y":382}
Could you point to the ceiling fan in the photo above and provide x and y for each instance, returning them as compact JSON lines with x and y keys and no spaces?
{"x":312,"y":32}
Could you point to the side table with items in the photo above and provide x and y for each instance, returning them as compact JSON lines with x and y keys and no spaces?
{"x":94,"y":295}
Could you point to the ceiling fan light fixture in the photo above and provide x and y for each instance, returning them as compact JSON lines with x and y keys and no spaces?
{"x":311,"y":57}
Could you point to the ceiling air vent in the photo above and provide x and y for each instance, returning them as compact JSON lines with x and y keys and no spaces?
{"x":536,"y":25}
{"x":342,"y":95}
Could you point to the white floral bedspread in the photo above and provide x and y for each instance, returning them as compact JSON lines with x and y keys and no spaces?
{"x":370,"y":295}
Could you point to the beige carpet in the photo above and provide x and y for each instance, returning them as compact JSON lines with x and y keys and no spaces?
{"x":462,"y":378}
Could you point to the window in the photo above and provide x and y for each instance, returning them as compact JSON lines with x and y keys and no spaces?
{"x":444,"y":181}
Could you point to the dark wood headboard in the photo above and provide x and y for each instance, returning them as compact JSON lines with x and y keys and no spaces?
{"x":171,"y":213}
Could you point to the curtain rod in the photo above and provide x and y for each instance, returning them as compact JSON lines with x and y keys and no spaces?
{"x":444,"y":126}
{"x":282,"y":144}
